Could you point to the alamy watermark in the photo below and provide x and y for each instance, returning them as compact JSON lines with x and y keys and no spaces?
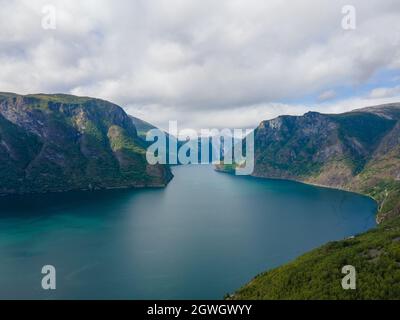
{"x":349,"y":280}
{"x":49,"y":18}
{"x":49,"y":280}
{"x":234,"y":148}
{"x":349,"y":20}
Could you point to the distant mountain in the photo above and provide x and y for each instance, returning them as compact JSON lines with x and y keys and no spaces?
{"x":52,"y":143}
{"x":357,"y":151}
{"x":144,"y":127}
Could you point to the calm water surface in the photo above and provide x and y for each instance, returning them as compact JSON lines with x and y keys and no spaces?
{"x":203,"y":236}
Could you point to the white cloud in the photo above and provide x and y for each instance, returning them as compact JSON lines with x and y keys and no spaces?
{"x":248,"y":116}
{"x":203,"y":63}
{"x":327,"y":95}
{"x":385,"y":92}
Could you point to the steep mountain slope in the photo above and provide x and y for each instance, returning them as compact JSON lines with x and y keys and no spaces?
{"x":51,"y":143}
{"x":142,"y":127}
{"x":358,"y":151}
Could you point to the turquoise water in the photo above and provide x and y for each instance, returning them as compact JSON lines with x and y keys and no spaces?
{"x":203,"y":236}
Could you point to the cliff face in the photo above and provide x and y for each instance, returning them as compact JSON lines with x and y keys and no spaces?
{"x":52,"y":143}
{"x":357,"y":151}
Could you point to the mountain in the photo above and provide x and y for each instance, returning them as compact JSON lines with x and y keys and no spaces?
{"x":356,"y":151}
{"x":53,"y":143}
{"x":142,"y":127}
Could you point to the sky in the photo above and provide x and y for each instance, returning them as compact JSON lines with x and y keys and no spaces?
{"x":205,"y":63}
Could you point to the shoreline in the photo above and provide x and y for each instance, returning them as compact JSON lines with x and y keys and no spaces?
{"x":315,"y":185}
{"x":137,"y":187}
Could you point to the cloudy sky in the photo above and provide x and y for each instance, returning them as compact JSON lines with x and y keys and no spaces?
{"x":205,"y":63}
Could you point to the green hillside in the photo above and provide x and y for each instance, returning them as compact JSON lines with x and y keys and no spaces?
{"x":317,"y":274}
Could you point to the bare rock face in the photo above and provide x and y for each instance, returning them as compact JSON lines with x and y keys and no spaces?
{"x":53,"y":143}
{"x":358,"y":151}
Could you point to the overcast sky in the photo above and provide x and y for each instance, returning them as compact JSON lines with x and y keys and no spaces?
{"x":205,"y":63}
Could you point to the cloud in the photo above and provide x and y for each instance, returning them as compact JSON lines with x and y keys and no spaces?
{"x":199,"y":62}
{"x":327,"y":95}
{"x":385,"y":92}
{"x":248,"y":116}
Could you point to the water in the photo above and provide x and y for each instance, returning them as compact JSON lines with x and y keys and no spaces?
{"x":203,"y":236}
